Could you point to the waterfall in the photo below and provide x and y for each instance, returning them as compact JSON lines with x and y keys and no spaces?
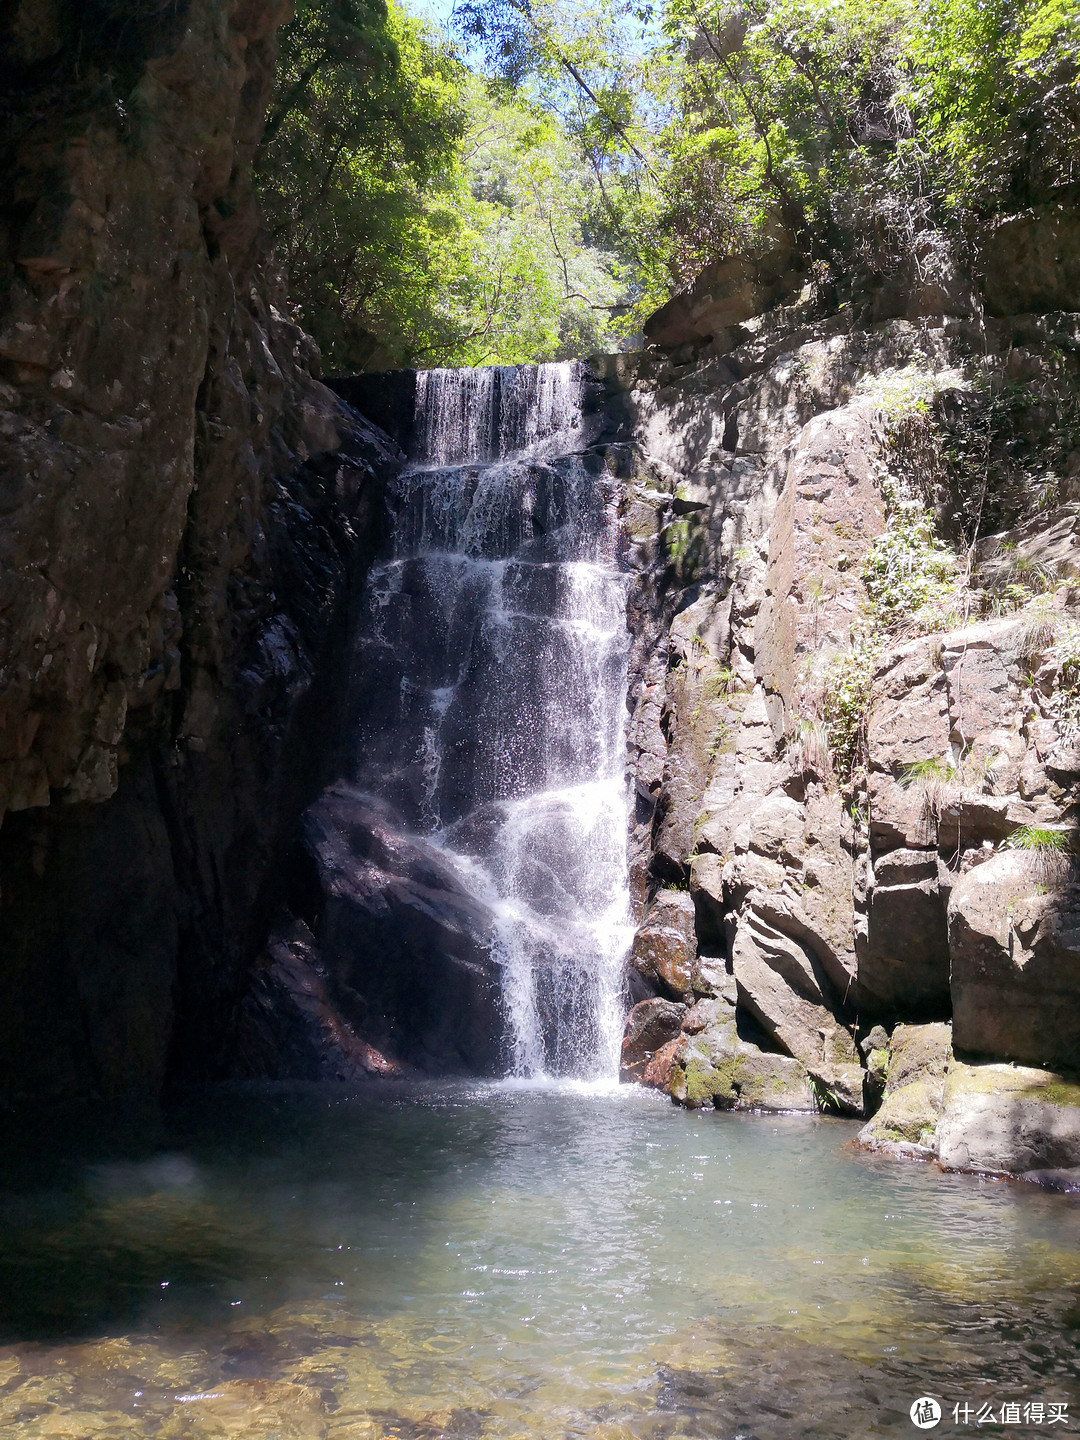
{"x":491,"y":680}
{"x":497,"y":411}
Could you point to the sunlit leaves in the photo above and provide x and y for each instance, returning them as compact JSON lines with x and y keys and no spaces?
{"x":420,"y":217}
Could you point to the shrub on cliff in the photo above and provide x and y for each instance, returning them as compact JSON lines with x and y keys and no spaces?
{"x":868,"y":126}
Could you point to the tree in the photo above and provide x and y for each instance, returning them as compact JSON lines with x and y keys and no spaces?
{"x":421,"y":213}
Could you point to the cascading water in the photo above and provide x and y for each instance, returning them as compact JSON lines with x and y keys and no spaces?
{"x":493,"y":677}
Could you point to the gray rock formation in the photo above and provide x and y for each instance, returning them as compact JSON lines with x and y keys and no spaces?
{"x":1014,"y":945}
{"x":730,"y":291}
{"x":710,"y":1063}
{"x":1009,"y":1119}
{"x":842,"y":799}
{"x":993,"y":1118}
{"x":650,"y":1025}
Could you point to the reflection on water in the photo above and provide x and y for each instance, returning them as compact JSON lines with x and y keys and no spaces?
{"x":512,"y":1261}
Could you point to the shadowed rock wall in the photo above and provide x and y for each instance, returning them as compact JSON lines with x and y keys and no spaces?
{"x":182,"y":508}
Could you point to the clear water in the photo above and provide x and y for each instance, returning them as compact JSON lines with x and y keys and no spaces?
{"x":513,"y":1262}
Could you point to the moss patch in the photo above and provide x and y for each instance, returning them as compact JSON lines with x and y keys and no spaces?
{"x":1016,"y":1080}
{"x":909,"y":1115}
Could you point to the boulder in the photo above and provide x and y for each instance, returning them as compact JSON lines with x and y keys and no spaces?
{"x":707,"y":892}
{"x":927,"y":283}
{"x":1049,"y":539}
{"x":908,"y":722}
{"x":1011,"y":1119}
{"x":406,"y":946}
{"x":649,"y":1026}
{"x":792,"y":863}
{"x":916,"y":1062}
{"x":658,"y":1071}
{"x":984,"y":697}
{"x":728,"y":292}
{"x":700,"y":717}
{"x":783,"y":988}
{"x":828,"y":514}
{"x":1014,"y":944}
{"x":664,"y":949}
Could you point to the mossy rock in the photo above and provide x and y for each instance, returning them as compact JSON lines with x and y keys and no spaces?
{"x":915,"y":1066}
{"x":743,"y":1078}
{"x":1009,"y":1119}
{"x":916,"y":1051}
{"x":1019,"y":1081}
{"x":908,"y":1116}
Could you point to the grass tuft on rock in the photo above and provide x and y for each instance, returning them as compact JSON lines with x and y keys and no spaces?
{"x":1042,"y":840}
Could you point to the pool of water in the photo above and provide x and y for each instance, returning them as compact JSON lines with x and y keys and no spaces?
{"x":514,"y":1261}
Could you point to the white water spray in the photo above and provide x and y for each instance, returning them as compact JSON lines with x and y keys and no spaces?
{"x":495,"y":663}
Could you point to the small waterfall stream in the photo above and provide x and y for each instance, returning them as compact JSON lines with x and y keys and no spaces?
{"x":493,"y":677}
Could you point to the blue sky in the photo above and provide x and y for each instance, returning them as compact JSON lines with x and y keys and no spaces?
{"x":437,"y":10}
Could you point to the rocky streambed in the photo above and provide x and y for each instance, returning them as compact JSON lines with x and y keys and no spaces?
{"x":478,"y":1261}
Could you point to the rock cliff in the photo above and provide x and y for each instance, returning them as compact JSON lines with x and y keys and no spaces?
{"x":853,"y":740}
{"x":181,"y":508}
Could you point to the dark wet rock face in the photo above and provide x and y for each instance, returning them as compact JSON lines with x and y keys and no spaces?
{"x":396,"y":975}
{"x":290,"y":1021}
{"x":407,"y":944}
{"x":183,"y":509}
{"x":650,"y":1025}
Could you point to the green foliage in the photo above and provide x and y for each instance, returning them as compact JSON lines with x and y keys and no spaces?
{"x":925,"y":772}
{"x":783,"y":120}
{"x":1032,"y":574}
{"x":420,"y":217}
{"x":721,"y":682}
{"x":845,"y":707}
{"x":425,"y":213}
{"x":1041,"y":840}
{"x":865,"y":127}
{"x":810,"y":746}
{"x":1038,"y":635}
{"x":824,"y":1096}
{"x":910,"y":579}
{"x":1064,"y":700}
{"x":1006,"y":446}
{"x":936,"y":780}
{"x":994,"y":93}
{"x":596,"y":67}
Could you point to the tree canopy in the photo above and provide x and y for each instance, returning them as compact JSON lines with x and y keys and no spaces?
{"x":422,"y":214}
{"x":533,"y":189}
